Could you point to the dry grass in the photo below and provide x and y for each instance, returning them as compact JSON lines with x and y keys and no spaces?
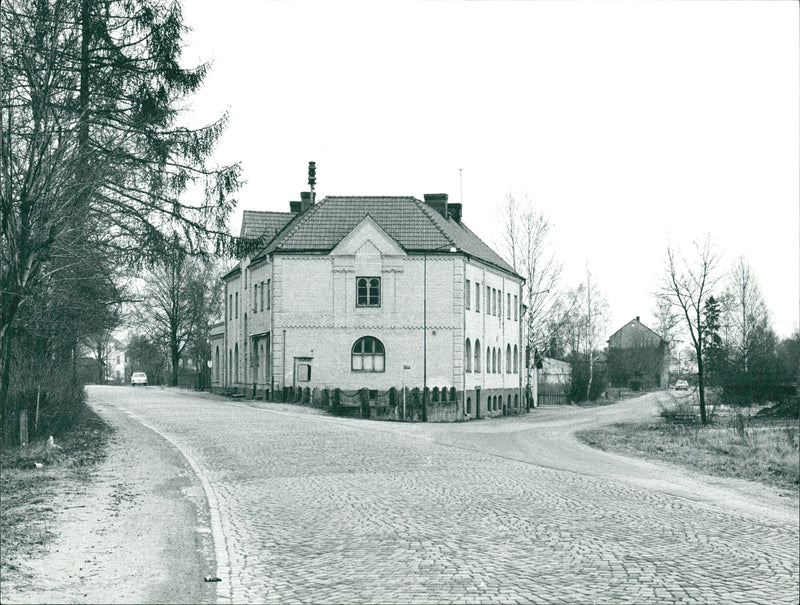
{"x":26,"y":506}
{"x":735,"y":444}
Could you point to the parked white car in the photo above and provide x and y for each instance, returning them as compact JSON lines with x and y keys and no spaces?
{"x":139,"y":378}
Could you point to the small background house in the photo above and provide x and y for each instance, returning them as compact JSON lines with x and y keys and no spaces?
{"x":638,"y":358}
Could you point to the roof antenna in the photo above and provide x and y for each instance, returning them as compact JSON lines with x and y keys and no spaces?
{"x":312,"y":179}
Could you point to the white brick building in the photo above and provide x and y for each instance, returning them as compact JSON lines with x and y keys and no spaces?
{"x":373,"y":292}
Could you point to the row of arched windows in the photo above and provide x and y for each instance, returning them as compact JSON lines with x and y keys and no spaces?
{"x":494,"y":404}
{"x":473,"y":356}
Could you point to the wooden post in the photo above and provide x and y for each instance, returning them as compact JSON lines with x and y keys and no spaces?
{"x":36,"y":418}
{"x":23,"y":427}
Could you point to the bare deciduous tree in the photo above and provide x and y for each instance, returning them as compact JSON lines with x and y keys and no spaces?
{"x":182,"y":295}
{"x":526,"y":232}
{"x":667,"y":320}
{"x":595,"y":320}
{"x":745,"y":310}
{"x":688,"y":284}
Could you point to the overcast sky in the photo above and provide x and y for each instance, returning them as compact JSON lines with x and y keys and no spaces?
{"x":632,"y":125}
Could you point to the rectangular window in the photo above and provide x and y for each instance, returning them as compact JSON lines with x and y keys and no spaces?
{"x":516,"y":309}
{"x":236,"y":305}
{"x":230,"y":308}
{"x":269,"y":293}
{"x":508,"y":306}
{"x":255,"y":298}
{"x":262,"y":295}
{"x":488,"y":300}
{"x":467,"y":295}
{"x":368,"y":291}
{"x":477,"y":297}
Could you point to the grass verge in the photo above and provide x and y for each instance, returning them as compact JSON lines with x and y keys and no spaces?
{"x":26,"y":507}
{"x":745,"y":449}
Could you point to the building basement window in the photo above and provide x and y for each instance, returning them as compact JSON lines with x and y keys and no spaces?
{"x":368,"y":291}
{"x":368,"y":355}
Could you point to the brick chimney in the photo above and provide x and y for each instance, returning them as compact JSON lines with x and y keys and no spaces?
{"x":305,"y":201}
{"x":437,"y":201}
{"x":454,"y":210}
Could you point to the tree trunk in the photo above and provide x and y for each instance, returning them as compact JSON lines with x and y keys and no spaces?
{"x":7,"y":407}
{"x":176,"y":357}
{"x":591,"y":376}
{"x":701,"y":387}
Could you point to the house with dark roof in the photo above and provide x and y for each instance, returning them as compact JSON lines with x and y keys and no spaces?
{"x":637,"y":357}
{"x":373,"y":292}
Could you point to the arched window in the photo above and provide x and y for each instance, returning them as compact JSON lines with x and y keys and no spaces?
{"x":508,"y":359}
{"x":229,"y":378}
{"x":216,"y":364}
{"x":236,"y":362}
{"x":488,"y":360}
{"x":494,"y":361}
{"x":367,"y":355}
{"x":477,"y":356}
{"x":469,"y":405}
{"x":468,"y":357}
{"x":516,"y":360}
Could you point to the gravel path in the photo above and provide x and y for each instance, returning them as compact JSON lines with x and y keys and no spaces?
{"x":135,"y":531}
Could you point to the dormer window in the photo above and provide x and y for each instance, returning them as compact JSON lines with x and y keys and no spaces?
{"x":368,"y":291}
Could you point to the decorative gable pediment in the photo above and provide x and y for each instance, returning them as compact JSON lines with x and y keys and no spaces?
{"x":367,"y":239}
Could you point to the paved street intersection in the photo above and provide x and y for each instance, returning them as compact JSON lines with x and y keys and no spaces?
{"x":309,"y":508}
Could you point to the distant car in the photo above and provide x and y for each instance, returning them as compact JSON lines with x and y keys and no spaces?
{"x":139,"y":378}
{"x":681,"y":385}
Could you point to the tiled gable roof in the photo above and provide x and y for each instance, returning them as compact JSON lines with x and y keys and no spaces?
{"x":411,"y":223}
{"x":635,"y":323}
{"x":256,"y":223}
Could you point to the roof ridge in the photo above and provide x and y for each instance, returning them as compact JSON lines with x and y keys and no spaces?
{"x":370,"y":197}
{"x":637,"y":320}
{"x":427,"y":210}
{"x":266,"y":212}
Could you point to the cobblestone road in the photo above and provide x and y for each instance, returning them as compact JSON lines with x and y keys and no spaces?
{"x":309,"y":508}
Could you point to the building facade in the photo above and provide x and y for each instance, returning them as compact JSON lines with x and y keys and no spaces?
{"x":638,"y":357}
{"x":375,"y":293}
